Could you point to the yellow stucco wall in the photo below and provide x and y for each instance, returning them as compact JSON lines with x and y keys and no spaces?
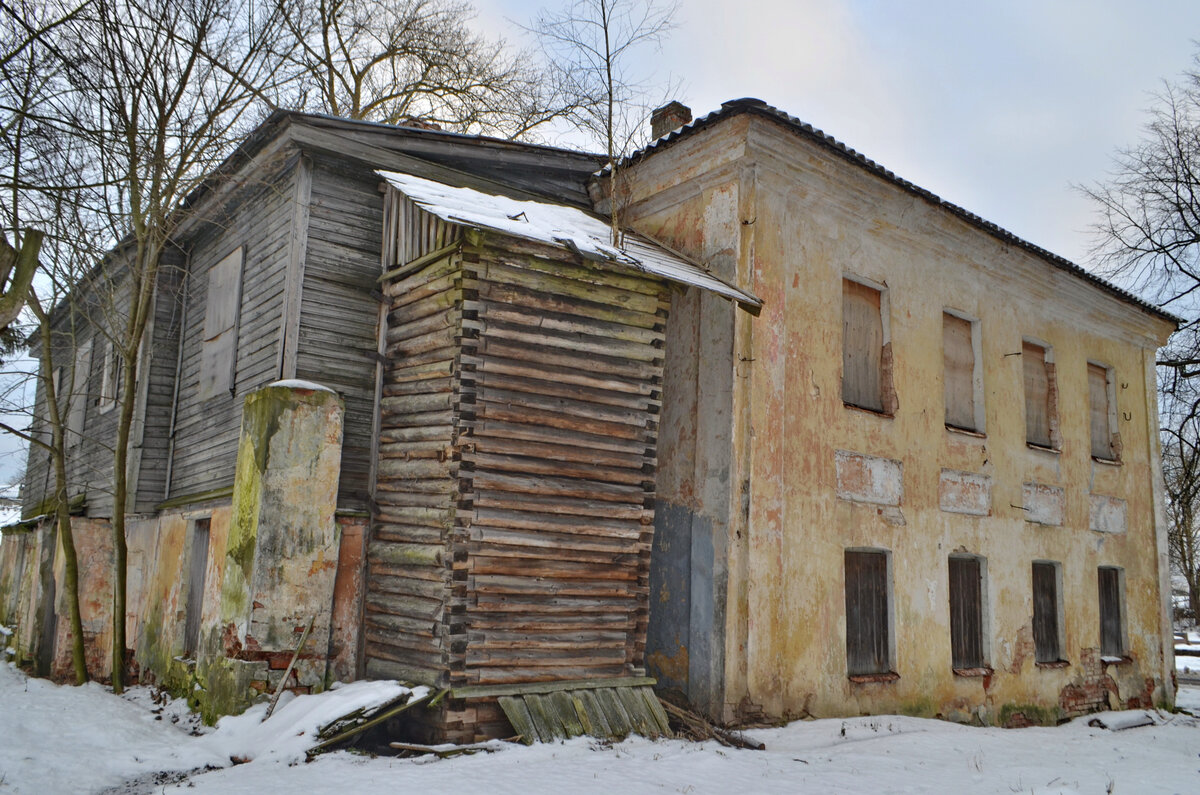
{"x":788,"y":219}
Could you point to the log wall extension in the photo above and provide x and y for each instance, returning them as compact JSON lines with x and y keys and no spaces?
{"x":515,"y":478}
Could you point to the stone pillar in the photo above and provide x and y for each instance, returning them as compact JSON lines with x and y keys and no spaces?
{"x":282,"y":551}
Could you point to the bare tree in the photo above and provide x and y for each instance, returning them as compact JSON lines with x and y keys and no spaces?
{"x":35,"y":167}
{"x":1181,"y":474}
{"x":1149,"y":235}
{"x":1149,"y":238}
{"x":397,"y":60}
{"x":160,"y":92}
{"x":590,"y":45}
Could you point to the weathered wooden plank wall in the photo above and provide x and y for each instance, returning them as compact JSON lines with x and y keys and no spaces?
{"x":161,"y":360}
{"x":82,"y":336}
{"x":339,"y":308}
{"x":562,"y":364}
{"x":206,"y":431}
{"x":405,"y":612}
{"x":515,"y":478}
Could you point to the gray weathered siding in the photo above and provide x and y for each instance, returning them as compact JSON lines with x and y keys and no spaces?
{"x":338,"y":311}
{"x":159,"y":361}
{"x":206,"y":431}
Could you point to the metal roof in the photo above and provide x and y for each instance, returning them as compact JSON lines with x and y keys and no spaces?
{"x":558,"y":225}
{"x":760,"y":108}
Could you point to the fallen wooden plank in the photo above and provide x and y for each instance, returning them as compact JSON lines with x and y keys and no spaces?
{"x":379,"y":718}
{"x":445,"y":751}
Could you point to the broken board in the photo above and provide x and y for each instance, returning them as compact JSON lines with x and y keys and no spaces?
{"x":605,"y":708}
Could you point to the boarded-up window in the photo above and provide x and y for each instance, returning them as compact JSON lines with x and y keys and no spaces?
{"x":78,"y":397}
{"x":958,"y":356}
{"x":862,"y":346}
{"x":110,"y":380}
{"x":1112,"y":635}
{"x":1046,"y":640}
{"x":966,"y":613}
{"x":197,"y":566}
{"x":1039,"y":396}
{"x":1101,"y":413}
{"x":218,"y":355}
{"x":868,"y":630}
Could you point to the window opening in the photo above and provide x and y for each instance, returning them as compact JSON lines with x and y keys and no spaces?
{"x":1046,"y":614}
{"x":868,"y":622}
{"x":1112,"y":635}
{"x":966,"y":612}
{"x":197,"y":566}
{"x":1041,"y":397}
{"x":866,"y":360}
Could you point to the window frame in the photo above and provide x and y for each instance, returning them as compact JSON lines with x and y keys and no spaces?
{"x":885,"y":403}
{"x":199,"y":546}
{"x":1052,"y":442}
{"x":958,"y":655}
{"x":1114,"y":629}
{"x":216,"y":338}
{"x":1110,"y":395}
{"x":859,"y":643}
{"x":977,"y":393}
{"x":76,"y":420}
{"x":110,"y":380}
{"x":1048,"y":651}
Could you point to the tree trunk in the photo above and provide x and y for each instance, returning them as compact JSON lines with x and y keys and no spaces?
{"x":144,"y":279}
{"x":70,"y":568}
{"x":62,"y":508}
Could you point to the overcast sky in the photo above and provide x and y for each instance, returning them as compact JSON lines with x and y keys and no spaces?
{"x":999,"y":107}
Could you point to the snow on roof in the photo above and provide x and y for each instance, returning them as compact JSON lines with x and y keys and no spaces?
{"x":558,"y":225}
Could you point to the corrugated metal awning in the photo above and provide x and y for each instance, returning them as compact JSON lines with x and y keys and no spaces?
{"x":562,"y":226}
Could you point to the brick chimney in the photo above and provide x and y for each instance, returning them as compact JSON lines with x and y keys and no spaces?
{"x":669,"y":117}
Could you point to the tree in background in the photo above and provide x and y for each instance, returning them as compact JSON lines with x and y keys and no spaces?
{"x":159,"y":93}
{"x":394,"y":61}
{"x":1149,"y":237}
{"x":38,"y":175}
{"x":590,"y":44}
{"x":1181,"y":475}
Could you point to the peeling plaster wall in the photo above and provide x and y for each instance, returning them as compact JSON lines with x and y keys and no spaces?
{"x":699,"y":486}
{"x":276,"y":557}
{"x":803,"y":219}
{"x":281,"y":551}
{"x":94,"y":550}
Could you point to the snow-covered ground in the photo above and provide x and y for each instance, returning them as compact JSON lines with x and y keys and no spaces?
{"x":67,"y":740}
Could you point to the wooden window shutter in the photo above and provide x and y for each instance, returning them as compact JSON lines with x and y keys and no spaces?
{"x":78,"y":399}
{"x":1102,"y":437}
{"x":868,"y":630}
{"x":966,"y":613}
{"x":218,"y":353}
{"x":862,"y":346}
{"x":1037,"y":395}
{"x":1112,"y":639}
{"x":959,"y":372}
{"x":1045,"y":613}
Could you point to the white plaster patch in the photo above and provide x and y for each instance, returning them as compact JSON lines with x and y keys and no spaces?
{"x":864,"y":478}
{"x":1043,"y":504}
{"x":1107,"y":514}
{"x":965,"y":492}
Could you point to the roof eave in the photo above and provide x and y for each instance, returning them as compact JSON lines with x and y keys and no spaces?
{"x":762,"y":109}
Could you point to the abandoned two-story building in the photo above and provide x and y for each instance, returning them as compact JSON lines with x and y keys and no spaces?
{"x":810,"y":442}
